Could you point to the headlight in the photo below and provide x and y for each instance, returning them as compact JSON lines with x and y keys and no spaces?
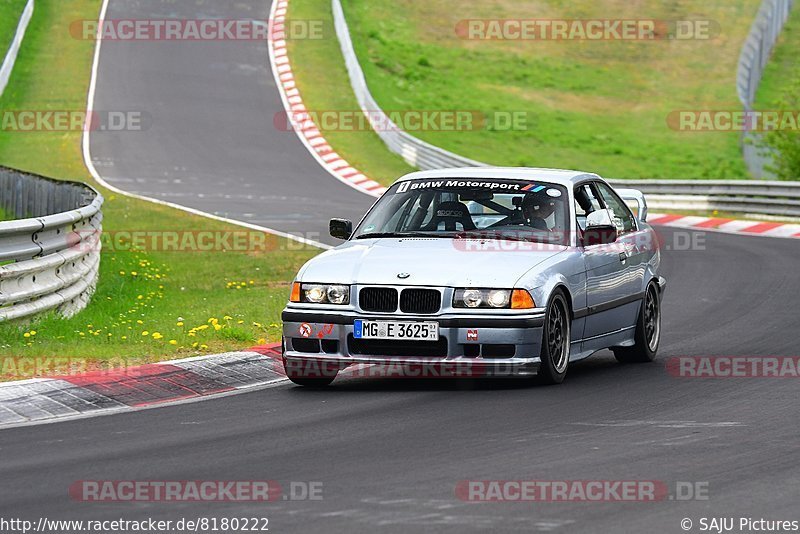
{"x":499,"y":299}
{"x":338,"y":294}
{"x":320,"y":293}
{"x":492,"y":298}
{"x":472,"y":298}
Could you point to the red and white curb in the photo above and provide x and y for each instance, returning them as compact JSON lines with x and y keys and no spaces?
{"x":44,"y":400}
{"x":298,"y":116}
{"x":315,"y":142}
{"x":727,"y":226}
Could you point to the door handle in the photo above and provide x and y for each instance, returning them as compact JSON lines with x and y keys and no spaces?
{"x":623,"y":257}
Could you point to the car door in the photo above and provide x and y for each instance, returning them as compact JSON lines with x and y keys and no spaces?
{"x":610,"y":277}
{"x":632,"y":243}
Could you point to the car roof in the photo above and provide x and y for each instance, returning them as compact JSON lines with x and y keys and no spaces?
{"x":556,"y":176}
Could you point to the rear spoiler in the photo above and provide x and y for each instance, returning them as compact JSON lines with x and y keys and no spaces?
{"x":635,"y":200}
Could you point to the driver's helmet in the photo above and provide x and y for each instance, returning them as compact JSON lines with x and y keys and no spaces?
{"x":538,"y":206}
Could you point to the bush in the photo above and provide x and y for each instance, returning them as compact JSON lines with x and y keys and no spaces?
{"x":784,"y":144}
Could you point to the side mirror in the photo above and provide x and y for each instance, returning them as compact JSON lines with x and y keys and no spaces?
{"x":600,"y":229}
{"x":341,"y":228}
{"x":634,"y":196}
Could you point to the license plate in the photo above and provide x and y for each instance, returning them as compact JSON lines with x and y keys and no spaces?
{"x":395,"y":330}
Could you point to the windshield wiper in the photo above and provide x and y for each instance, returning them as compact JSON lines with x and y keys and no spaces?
{"x":375,"y":235}
{"x":490,"y":235}
{"x":529,"y":237}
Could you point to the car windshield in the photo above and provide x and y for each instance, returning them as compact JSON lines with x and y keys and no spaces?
{"x":479,"y":207}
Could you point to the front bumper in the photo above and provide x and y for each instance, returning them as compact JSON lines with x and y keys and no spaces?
{"x":470,"y":345}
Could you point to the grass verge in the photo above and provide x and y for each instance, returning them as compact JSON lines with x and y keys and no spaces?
{"x":600,"y":106}
{"x":10,"y":11}
{"x":149,"y":305}
{"x":322,"y":79}
{"x":783,"y":69}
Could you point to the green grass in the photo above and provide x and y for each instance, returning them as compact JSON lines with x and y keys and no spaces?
{"x":10,"y":10}
{"x":320,"y":74}
{"x":599,"y":106}
{"x":783,"y":68}
{"x":242,"y":292}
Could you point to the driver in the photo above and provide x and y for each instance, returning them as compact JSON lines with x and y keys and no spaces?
{"x":536,"y":209}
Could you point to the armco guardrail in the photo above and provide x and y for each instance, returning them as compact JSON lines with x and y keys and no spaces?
{"x":416,"y":152}
{"x":11,"y":56}
{"x":755,"y":54}
{"x":780,"y":199}
{"x":49,"y":254}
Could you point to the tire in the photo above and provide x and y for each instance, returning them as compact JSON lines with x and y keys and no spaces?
{"x":648,"y":330}
{"x":317,"y":377}
{"x":555,"y":341}
{"x":315,"y":382}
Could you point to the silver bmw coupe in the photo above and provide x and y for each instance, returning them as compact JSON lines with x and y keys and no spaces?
{"x":480,"y":272}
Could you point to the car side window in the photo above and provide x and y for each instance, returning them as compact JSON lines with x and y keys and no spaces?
{"x":623,"y":217}
{"x":586,"y":202}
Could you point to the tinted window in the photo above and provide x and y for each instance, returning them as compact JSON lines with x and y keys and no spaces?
{"x":512,"y":209}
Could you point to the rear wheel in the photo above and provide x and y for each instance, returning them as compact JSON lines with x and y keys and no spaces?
{"x":555,"y":341}
{"x":648,"y":330}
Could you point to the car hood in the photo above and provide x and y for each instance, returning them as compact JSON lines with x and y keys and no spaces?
{"x":428,"y":261}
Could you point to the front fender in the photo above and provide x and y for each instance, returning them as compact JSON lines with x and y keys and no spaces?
{"x":651,"y":272}
{"x":566,"y":270}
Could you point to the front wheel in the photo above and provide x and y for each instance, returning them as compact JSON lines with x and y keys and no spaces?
{"x":315,"y":382}
{"x":555,"y":342}
{"x":648,"y":330}
{"x":309,"y":374}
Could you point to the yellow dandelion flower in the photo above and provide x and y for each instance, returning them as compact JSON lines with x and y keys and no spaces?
{"x":173,"y":342}
{"x":156,"y":335}
{"x":145,"y":333}
{"x":26,"y":334}
{"x":179,"y":323}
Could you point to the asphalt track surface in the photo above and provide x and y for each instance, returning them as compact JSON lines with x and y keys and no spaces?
{"x":390,"y":452}
{"x":209,"y":139}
